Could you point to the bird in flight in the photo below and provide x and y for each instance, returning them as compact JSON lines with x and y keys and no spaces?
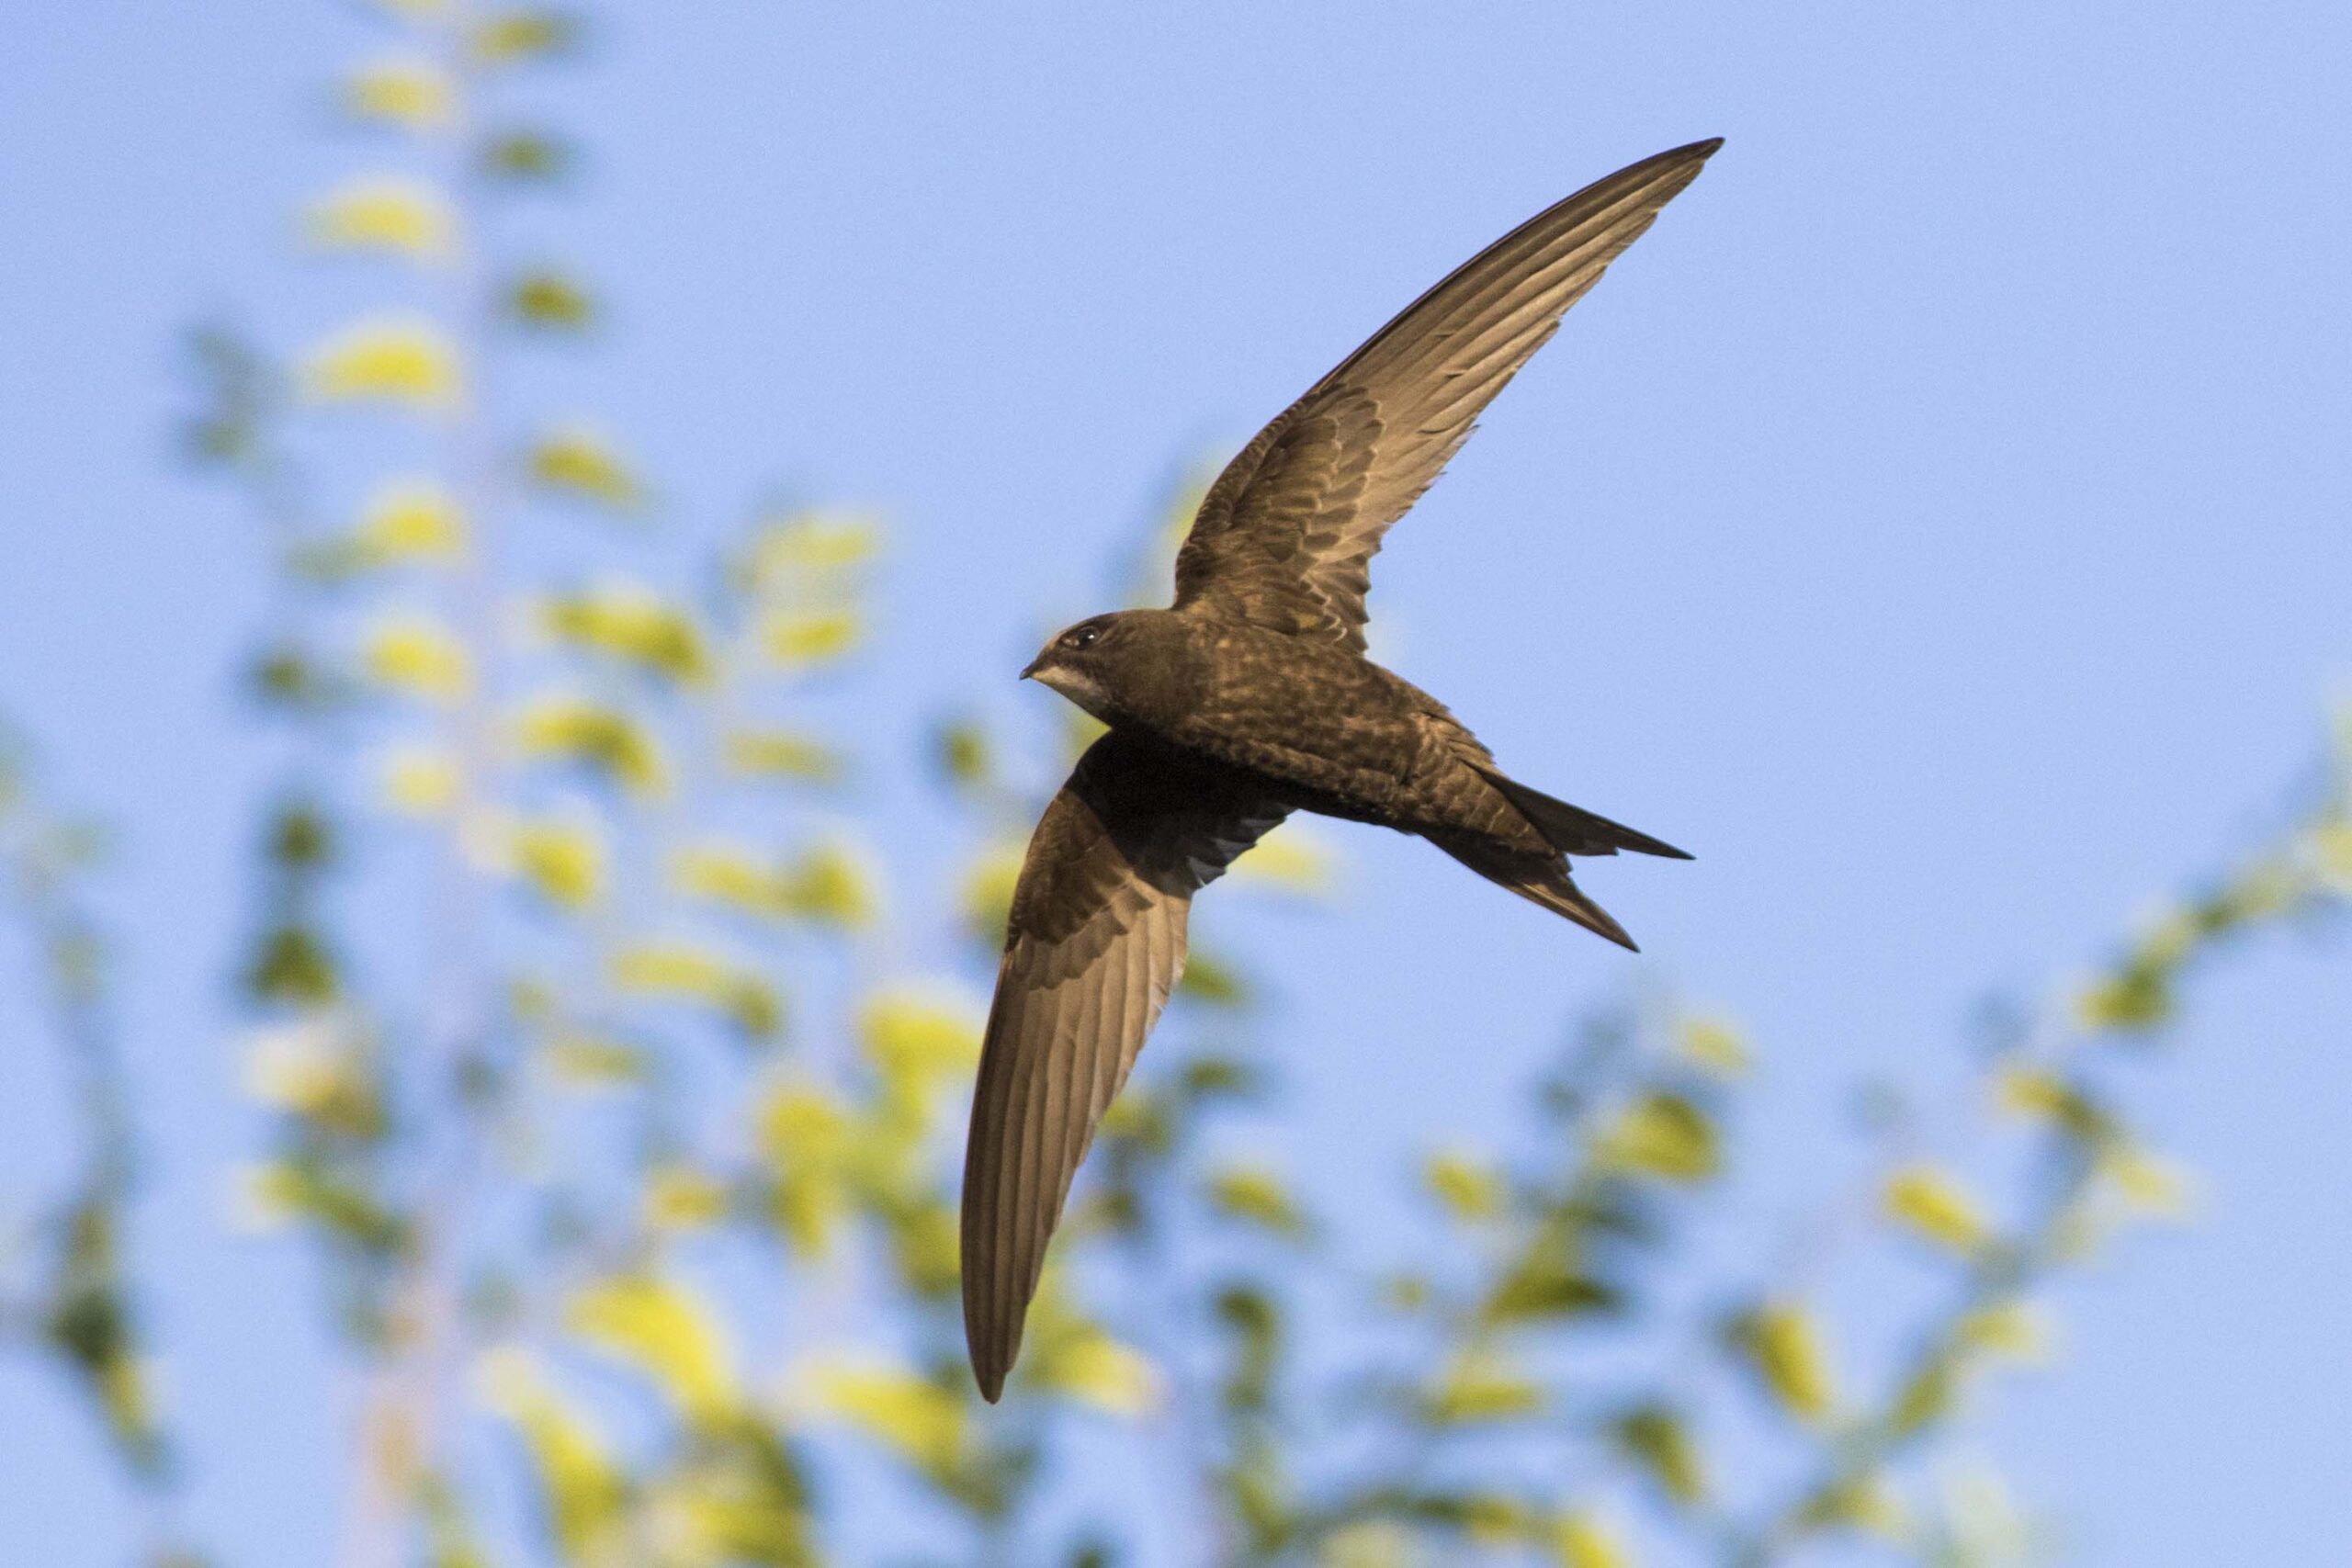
{"x":1251,"y":698}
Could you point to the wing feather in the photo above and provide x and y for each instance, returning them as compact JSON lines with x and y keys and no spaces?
{"x":1094,"y":943}
{"x":1285,"y":536}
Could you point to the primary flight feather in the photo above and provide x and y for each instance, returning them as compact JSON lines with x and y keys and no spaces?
{"x":1251,"y":698}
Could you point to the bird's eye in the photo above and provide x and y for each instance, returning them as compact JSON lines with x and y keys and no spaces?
{"x":1084,"y":637}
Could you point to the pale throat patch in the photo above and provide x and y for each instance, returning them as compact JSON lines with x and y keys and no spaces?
{"x":1080,"y":688}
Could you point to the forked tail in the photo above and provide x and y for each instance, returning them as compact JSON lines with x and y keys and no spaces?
{"x":1573,"y":830}
{"x":1540,"y":879}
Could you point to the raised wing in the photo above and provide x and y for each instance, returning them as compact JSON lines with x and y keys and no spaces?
{"x":1285,"y":536}
{"x":1094,"y":944}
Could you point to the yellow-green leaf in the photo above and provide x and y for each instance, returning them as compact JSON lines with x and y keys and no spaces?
{"x":1092,"y":1369}
{"x":579,"y":463}
{"x":2330,"y":845}
{"x":1584,"y":1540}
{"x":402,"y":91}
{"x":680,"y":1198}
{"x":633,"y":626}
{"x":917,"y":1041}
{"x":831,"y":884}
{"x":1659,"y":1440}
{"x":914,"y":1417}
{"x":589,"y":1061}
{"x":2149,"y":1183}
{"x":1713,"y":1045}
{"x":1481,"y":1386}
{"x":526,"y":157}
{"x":562,"y":862}
{"x":665,"y":1331}
{"x":2034,"y":1094}
{"x":726,"y":875}
{"x":805,"y":1137}
{"x":526,"y":33}
{"x":571,"y":729}
{"x":1468,"y":1185}
{"x":550,"y":300}
{"x":1257,"y":1197}
{"x":316,"y":1069}
{"x":2012,"y":1329}
{"x":1867,"y":1502}
{"x":410,"y":521}
{"x":688,"y":973}
{"x":1933,"y":1205}
{"x":1783,"y":1344}
{"x":1660,"y":1134}
{"x":404,"y":217}
{"x":398,"y":360}
{"x":777,"y":753}
{"x":986,"y":897}
{"x":582,"y":1489}
{"x":421,"y":780}
{"x":799,"y":639}
{"x":419,"y":657}
{"x":791,"y":557}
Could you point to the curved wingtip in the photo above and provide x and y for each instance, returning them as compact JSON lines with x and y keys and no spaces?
{"x":992,"y":1334}
{"x":992,"y":1324}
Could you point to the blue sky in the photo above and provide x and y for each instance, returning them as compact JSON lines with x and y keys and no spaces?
{"x":1937,"y":523}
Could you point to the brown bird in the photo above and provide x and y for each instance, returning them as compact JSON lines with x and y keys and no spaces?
{"x":1251,"y":698}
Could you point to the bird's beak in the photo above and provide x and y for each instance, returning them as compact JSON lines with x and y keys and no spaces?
{"x":1029,"y":672}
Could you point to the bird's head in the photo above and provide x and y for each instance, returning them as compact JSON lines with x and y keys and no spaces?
{"x":1091,"y":663}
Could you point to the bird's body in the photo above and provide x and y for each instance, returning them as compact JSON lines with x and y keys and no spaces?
{"x":1323,"y":728}
{"x":1250,"y":698}
{"x":1312,"y":726}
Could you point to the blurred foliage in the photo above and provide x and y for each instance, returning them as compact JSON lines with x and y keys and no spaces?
{"x":602,"y":1085}
{"x":66,"y":1285}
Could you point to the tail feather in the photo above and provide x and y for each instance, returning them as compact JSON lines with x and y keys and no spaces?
{"x":1573,"y":830}
{"x":1541,"y":879}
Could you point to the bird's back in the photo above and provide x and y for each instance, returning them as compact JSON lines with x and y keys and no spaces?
{"x":1338,"y":734}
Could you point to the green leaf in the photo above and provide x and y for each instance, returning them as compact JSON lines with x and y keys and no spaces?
{"x":1539,"y":1290}
{"x":666,"y":1332}
{"x":1256,"y":1197}
{"x":291,"y":965}
{"x":1783,"y":1344}
{"x":914,"y":1416}
{"x":593,"y":735}
{"x":526,"y":157}
{"x":300,"y":837}
{"x":1661,"y":1135}
{"x":580,"y":464}
{"x":406,"y":92}
{"x":550,"y":301}
{"x":530,"y":33}
{"x":1657,"y":1439}
{"x":782,"y":754}
{"x":582,"y":1489}
{"x":1481,"y":1387}
{"x":961,"y":752}
{"x":1209,"y":978}
{"x":1254,"y":1322}
{"x":632,"y":625}
{"x":1469,"y":1186}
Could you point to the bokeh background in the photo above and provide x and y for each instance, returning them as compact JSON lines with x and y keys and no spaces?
{"x":1937,"y":523}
